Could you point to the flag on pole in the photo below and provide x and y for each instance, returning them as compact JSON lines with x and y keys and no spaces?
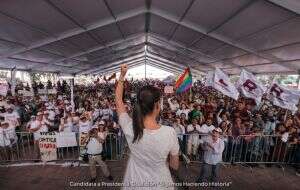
{"x":283,"y":97}
{"x":221,"y":82}
{"x":184,"y":82}
{"x":250,"y":87}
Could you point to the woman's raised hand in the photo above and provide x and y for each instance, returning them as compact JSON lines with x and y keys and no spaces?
{"x":124,"y":69}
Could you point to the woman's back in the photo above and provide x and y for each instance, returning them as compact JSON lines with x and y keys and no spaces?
{"x":149,"y":142}
{"x":148,"y":160}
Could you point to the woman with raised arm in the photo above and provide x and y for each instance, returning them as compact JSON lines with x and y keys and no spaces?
{"x":153,"y":147}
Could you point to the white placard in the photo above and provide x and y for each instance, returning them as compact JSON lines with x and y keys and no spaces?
{"x":42,"y":91}
{"x":52,"y":91}
{"x":66,"y":139}
{"x":169,"y":90}
{"x":25,"y":93}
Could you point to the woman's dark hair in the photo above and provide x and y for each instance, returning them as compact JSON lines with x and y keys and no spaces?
{"x":147,"y":96}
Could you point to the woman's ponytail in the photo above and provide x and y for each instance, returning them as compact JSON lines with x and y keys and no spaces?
{"x":138,"y":122}
{"x":146,"y":99}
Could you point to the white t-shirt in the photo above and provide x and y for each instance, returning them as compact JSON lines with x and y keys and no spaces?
{"x":75,"y":127}
{"x":213,"y":156}
{"x":68,"y":126}
{"x":11,"y":118}
{"x":173,"y":106}
{"x":84,"y":127}
{"x":206,"y":129}
{"x":8,"y":136}
{"x":180,"y":130}
{"x":4,"y":137}
{"x":94,"y":146}
{"x":185,"y":111}
{"x":147,"y":162}
{"x":193,"y":137}
{"x":35,"y":124}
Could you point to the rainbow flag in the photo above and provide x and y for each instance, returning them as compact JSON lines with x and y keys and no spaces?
{"x":184,"y":82}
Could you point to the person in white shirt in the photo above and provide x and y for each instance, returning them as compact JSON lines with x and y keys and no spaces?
{"x":213,"y":149}
{"x":84,"y":124}
{"x":106,"y":112}
{"x":183,"y":109}
{"x":173,"y":104}
{"x":51,"y":116}
{"x":11,"y":116}
{"x":94,"y":149}
{"x":193,"y":138}
{"x":66,"y":123}
{"x":5,"y":142}
{"x":179,"y":129}
{"x":207,"y":127}
{"x":35,"y":126}
{"x":13,"y":120}
{"x":75,"y":120}
{"x":154,"y":148}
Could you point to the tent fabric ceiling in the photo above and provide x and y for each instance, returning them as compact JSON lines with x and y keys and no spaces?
{"x":96,"y":36}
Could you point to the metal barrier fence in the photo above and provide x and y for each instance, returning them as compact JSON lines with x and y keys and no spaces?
{"x":21,"y":146}
{"x":256,"y":149}
{"x":268,"y":149}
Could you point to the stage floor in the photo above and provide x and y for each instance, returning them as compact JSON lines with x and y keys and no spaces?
{"x":58,"y":177}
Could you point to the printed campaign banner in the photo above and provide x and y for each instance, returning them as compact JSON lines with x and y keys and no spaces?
{"x":66,"y":139}
{"x":250,"y":87}
{"x":47,"y":144}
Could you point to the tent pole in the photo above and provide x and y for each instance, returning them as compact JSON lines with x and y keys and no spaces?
{"x":13,"y":80}
{"x":145,"y":69}
{"x":72,"y":94}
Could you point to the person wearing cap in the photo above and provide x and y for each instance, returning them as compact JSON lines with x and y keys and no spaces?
{"x":102,"y":130}
{"x":213,"y":147}
{"x":94,"y":151}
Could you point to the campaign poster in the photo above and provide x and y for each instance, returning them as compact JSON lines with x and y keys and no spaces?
{"x":47,"y":144}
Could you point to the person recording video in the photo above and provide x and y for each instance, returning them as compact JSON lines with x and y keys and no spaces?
{"x":94,"y":151}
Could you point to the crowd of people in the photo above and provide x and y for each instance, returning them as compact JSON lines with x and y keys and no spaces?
{"x":271,"y":131}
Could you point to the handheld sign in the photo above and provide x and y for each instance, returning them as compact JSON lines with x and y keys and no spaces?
{"x":169,"y":90}
{"x":47,"y":144}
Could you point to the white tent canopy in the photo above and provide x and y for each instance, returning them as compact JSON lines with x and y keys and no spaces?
{"x":96,"y":36}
